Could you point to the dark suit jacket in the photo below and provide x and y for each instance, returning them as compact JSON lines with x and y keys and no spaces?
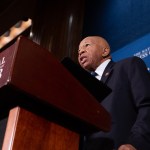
{"x":128,"y":104}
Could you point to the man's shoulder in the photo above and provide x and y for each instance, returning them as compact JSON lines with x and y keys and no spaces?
{"x":128,"y":62}
{"x":130,"y":59}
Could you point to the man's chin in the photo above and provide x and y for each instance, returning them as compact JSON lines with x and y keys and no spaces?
{"x":86,"y":67}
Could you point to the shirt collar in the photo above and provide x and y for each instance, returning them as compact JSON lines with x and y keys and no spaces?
{"x":100,"y":69}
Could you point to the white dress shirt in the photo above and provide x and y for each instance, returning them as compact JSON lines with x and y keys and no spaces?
{"x":100,"y":69}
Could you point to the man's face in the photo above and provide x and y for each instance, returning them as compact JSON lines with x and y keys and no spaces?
{"x":90,"y":53}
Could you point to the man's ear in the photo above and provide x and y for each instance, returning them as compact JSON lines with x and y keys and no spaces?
{"x":106,"y":52}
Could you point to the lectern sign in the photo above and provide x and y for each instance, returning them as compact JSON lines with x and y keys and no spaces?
{"x":6,"y":59}
{"x":2,"y":63}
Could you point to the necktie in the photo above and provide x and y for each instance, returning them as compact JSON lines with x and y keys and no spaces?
{"x":94,"y":74}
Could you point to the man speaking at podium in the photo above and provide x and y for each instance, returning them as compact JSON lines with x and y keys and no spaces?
{"x":129,"y":102}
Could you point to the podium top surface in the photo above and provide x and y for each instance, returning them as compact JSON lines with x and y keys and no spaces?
{"x":33,"y":78}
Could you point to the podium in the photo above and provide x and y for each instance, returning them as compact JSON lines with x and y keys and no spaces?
{"x":47,"y":107}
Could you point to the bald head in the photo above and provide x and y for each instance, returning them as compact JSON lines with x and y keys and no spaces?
{"x":97,"y":39}
{"x":93,"y":50}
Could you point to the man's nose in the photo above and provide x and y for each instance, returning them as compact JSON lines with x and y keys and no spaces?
{"x":81,"y":51}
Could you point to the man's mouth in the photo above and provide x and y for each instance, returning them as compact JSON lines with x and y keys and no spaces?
{"x":83,"y":59}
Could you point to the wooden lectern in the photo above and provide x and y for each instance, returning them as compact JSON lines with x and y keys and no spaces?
{"x":48,"y":107}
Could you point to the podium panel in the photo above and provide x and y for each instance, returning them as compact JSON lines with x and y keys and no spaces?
{"x":27,"y":131}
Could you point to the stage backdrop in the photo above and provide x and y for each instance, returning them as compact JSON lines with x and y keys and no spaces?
{"x":139,"y":48}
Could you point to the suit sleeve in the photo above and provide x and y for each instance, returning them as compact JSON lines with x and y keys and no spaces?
{"x":139,"y":78}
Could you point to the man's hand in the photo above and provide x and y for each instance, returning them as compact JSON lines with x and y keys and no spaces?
{"x":127,"y":147}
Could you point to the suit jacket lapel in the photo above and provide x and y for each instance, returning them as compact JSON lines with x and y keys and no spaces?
{"x":107,"y":72}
